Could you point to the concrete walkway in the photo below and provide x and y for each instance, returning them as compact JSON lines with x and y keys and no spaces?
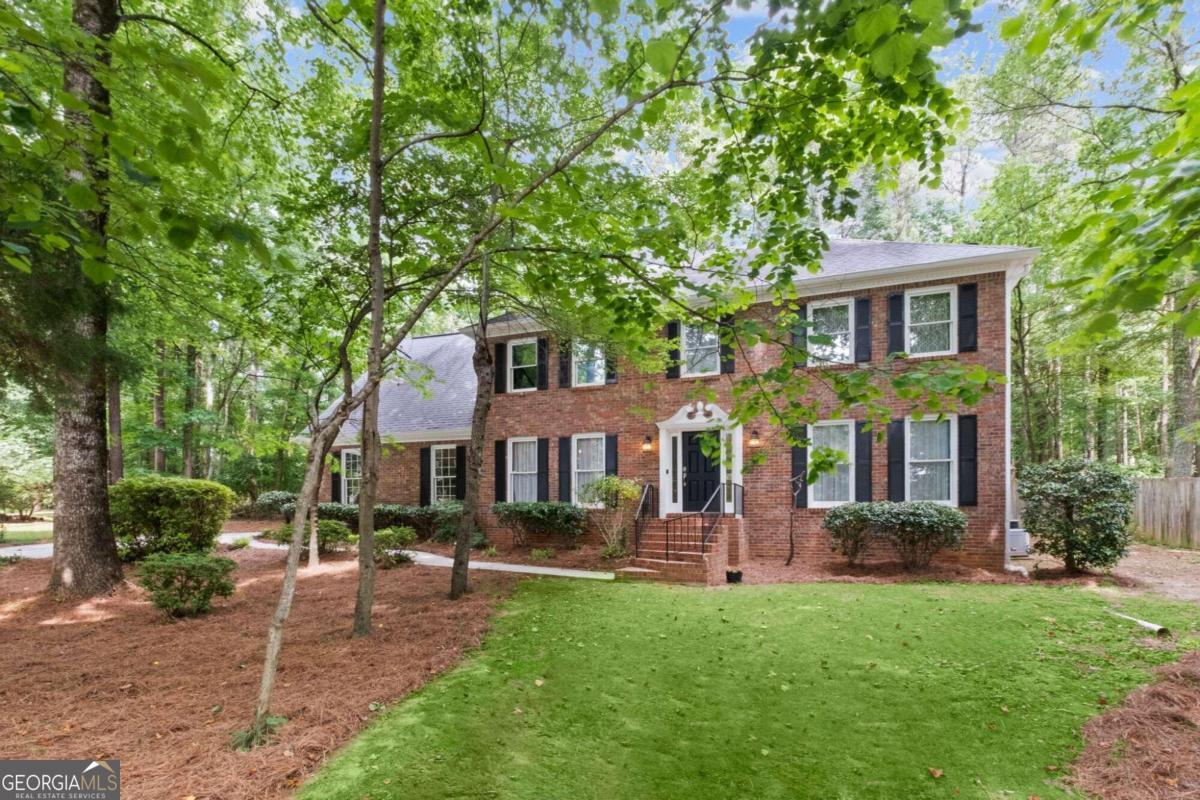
{"x":45,"y":550}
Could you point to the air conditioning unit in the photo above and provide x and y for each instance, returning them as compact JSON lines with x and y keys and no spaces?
{"x":1017,"y":540}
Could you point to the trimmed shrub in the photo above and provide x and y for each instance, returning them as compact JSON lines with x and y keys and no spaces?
{"x":184,"y":584}
{"x":152,"y":514}
{"x":1079,"y":511}
{"x":438,"y":522}
{"x":542,"y":554}
{"x":270,"y":504}
{"x":853,"y":528}
{"x":534,"y":519}
{"x":331,"y":535}
{"x":917,"y":530}
{"x":390,"y":544}
{"x":615,"y":499}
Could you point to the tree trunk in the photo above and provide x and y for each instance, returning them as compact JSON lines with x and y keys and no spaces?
{"x":116,"y":447}
{"x":369,"y":487}
{"x":314,"y":539}
{"x":85,"y":554}
{"x":160,"y":407}
{"x":189,"y":409}
{"x":1183,"y":404}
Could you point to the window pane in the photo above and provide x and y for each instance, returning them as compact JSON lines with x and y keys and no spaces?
{"x":524,"y":354}
{"x":934,"y":338}
{"x":589,"y":365}
{"x":929,"y":440}
{"x":929,"y":481}
{"x":524,"y":378}
{"x":524,"y":488}
{"x":929,"y":308}
{"x":445,"y":474}
{"x":589,"y":453}
{"x":524,"y":456}
{"x":832,"y":487}
{"x":834,"y":437}
{"x":831,"y":319}
{"x":701,"y":349}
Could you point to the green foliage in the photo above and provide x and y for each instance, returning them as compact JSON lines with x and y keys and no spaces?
{"x":615,"y":499}
{"x":438,"y":521}
{"x":916,"y":530}
{"x":609,"y":551}
{"x":167,"y":515}
{"x":1079,"y":511}
{"x":542,"y":519}
{"x":184,"y":584}
{"x":239,"y":544}
{"x":542,"y":553}
{"x":390,"y":544}
{"x":332,"y":535}
{"x":270,"y":504}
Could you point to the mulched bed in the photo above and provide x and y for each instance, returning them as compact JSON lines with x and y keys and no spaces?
{"x":110,"y":678}
{"x":251,"y":525}
{"x":1148,"y":748}
{"x":585,"y":556}
{"x":758,"y":571}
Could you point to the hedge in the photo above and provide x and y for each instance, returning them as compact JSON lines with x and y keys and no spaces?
{"x":153,"y":514}
{"x":533,"y":519}
{"x":917,"y":530}
{"x":438,"y":521}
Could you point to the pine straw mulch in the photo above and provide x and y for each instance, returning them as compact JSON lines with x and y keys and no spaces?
{"x":251,"y":525}
{"x":110,"y":678}
{"x":1148,"y":748}
{"x":838,"y":571}
{"x":584,"y":556}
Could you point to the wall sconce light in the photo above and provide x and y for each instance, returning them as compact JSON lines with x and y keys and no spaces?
{"x":647,"y":445}
{"x":754,"y":440}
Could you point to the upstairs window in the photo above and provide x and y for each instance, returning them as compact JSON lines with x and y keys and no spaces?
{"x":929,"y":322}
{"x":445,"y":473}
{"x":587,"y":365}
{"x":930,"y":460}
{"x":833,"y":488}
{"x":522,"y":365}
{"x":701,"y":350}
{"x":522,"y":470}
{"x":351,"y":475}
{"x":834,"y":324}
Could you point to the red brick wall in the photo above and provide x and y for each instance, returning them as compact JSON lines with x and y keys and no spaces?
{"x":631,"y":407}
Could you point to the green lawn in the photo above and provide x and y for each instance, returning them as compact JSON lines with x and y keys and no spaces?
{"x":26,"y":532}
{"x":804,"y":691}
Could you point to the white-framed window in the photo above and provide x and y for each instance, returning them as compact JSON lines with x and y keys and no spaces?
{"x":522,"y":470}
{"x":929,"y":317}
{"x":836,"y":487}
{"x":587,"y":462}
{"x":700,"y":347}
{"x":588,"y":364}
{"x":445,"y":472}
{"x":833,"y":319}
{"x":351,"y":475}
{"x":522,"y":365}
{"x":931,"y":460}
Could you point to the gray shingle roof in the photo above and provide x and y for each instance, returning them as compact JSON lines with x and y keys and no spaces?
{"x":436,"y":393}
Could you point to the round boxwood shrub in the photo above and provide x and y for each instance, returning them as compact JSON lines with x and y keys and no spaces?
{"x":390,"y":544}
{"x":153,"y":514}
{"x":916,"y":530}
{"x":270,"y":504}
{"x":1078,"y":511}
{"x":184,"y":584}
{"x":332,"y":535}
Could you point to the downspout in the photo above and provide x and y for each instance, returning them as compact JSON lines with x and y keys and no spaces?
{"x":1012,"y":277}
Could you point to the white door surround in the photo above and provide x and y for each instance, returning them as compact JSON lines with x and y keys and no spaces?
{"x":695,"y":416}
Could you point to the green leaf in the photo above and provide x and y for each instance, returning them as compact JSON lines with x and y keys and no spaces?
{"x":1038,"y":44}
{"x":927,"y":10}
{"x":19,"y":249}
{"x":1011,"y":27}
{"x":661,"y":54}
{"x":81,"y":196}
{"x":894,"y":55}
{"x":20,"y":263}
{"x":98,"y":271}
{"x":182,"y":233}
{"x":606,"y":9}
{"x":869,"y":27}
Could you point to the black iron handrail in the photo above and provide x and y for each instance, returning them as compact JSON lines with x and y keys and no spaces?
{"x":695,"y":529}
{"x":645,"y":510}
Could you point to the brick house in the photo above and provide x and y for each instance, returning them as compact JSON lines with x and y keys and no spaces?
{"x":563,"y":414}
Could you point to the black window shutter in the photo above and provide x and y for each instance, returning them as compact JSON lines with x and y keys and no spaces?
{"x":673,"y":353}
{"x":895,"y":456}
{"x":501,"y":470}
{"x":800,"y":337}
{"x":968,"y":317}
{"x":727,"y":362}
{"x":501,"y":364}
{"x":862,"y":329}
{"x":968,"y":461}
{"x":543,"y":364}
{"x":799,"y":471}
{"x":543,"y":473}
{"x":460,"y":472}
{"x":862,"y":462}
{"x":335,"y":480}
{"x":610,"y":368}
{"x":564,"y":468}
{"x":425,"y":469}
{"x":610,"y":454}
{"x":564,"y":363}
{"x":896,"y":323}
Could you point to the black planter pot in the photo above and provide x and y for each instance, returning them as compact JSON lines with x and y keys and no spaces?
{"x":733,"y":576}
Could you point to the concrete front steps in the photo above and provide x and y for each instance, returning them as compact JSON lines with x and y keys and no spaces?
{"x":685,"y":563}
